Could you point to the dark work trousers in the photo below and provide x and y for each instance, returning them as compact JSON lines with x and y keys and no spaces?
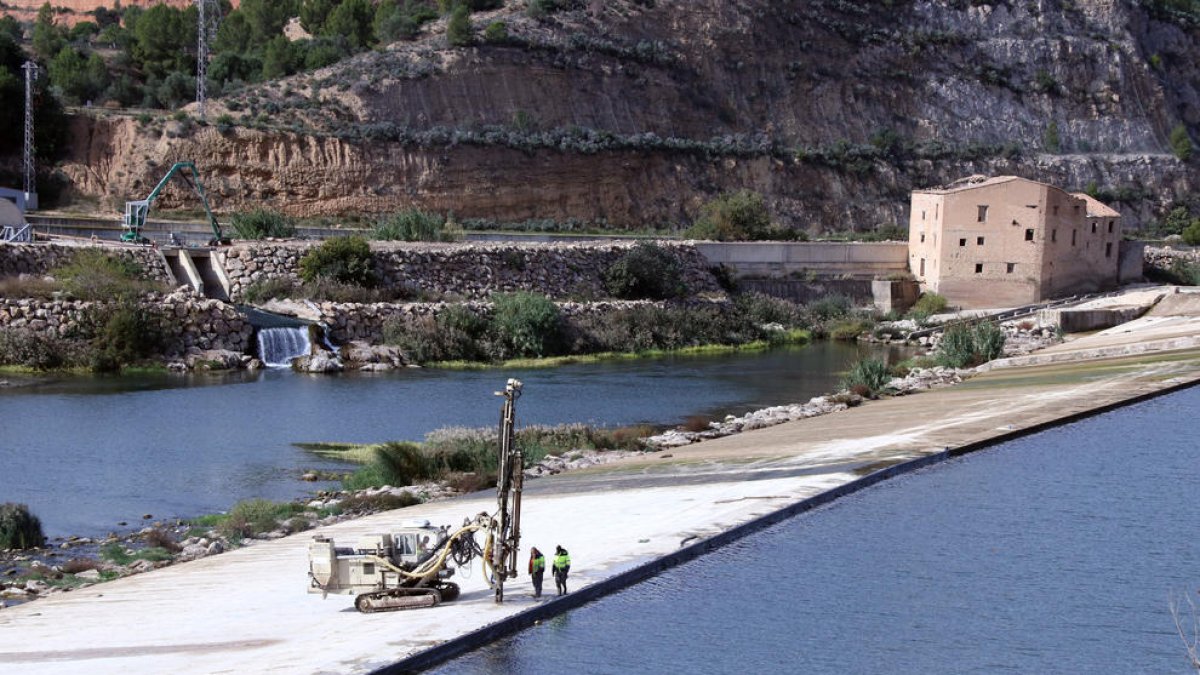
{"x":537,"y":582}
{"x":560,"y":580}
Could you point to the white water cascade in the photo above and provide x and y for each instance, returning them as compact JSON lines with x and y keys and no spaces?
{"x":278,"y":346}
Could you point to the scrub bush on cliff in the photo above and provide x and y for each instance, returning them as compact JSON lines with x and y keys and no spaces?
{"x":262,"y":223}
{"x":645,"y":272}
{"x":344,"y":259}
{"x":416,"y":225}
{"x":19,"y":529}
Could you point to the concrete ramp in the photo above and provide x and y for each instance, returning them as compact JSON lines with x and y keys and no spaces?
{"x":1182,"y":303}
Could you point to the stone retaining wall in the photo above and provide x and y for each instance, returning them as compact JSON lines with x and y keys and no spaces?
{"x":365,"y":322}
{"x":42,"y":258}
{"x":1163,"y":257}
{"x":188,"y":322}
{"x":471,"y":271}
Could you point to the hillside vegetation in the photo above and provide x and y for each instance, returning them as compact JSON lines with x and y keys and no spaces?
{"x":557,"y":114}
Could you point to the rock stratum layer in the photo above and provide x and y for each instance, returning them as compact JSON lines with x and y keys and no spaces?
{"x":634,"y":113}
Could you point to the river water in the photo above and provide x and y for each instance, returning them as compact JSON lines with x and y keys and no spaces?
{"x":87,"y":452}
{"x":1055,"y":553}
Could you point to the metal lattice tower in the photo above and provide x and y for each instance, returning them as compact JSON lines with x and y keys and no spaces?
{"x":31,"y":74}
{"x":206,"y":28}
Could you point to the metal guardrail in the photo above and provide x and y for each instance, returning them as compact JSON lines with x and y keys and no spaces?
{"x":23,"y":234}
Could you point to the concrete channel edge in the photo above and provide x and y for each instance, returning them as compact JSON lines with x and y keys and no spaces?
{"x":468,"y":642}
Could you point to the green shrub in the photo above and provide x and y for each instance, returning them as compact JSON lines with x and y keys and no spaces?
{"x":989,"y":341}
{"x":850,"y":328}
{"x":927,"y":305}
{"x":458,"y":30}
{"x":760,"y":310}
{"x":94,"y":275}
{"x":646,"y":271}
{"x":344,"y":259}
{"x":19,"y":529}
{"x":957,"y":348}
{"x":272,"y":288}
{"x":262,"y":223}
{"x":33,"y":349}
{"x":737,"y":216}
{"x":496,"y":32}
{"x":870,"y":375}
{"x":126,"y":336}
{"x":525,"y":324}
{"x":28,"y":287}
{"x":1181,"y":143}
{"x":965,"y":346}
{"x":456,"y":334}
{"x":1191,"y":234}
{"x":833,"y":306}
{"x":250,"y":517}
{"x":1050,"y":139}
{"x":401,"y":463}
{"x":415,"y":225}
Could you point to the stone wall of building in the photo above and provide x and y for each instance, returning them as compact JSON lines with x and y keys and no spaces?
{"x":42,"y":258}
{"x":188,"y":322}
{"x":470,"y":271}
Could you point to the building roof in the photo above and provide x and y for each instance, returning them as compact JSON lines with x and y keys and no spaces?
{"x":1096,"y":208}
{"x":970,"y":183}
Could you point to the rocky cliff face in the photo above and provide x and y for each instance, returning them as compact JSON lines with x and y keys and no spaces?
{"x":634,"y":112}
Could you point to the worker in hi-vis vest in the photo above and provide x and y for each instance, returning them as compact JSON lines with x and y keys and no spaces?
{"x":562,"y":565}
{"x":537,"y":568}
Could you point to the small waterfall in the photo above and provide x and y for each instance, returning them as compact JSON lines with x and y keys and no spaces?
{"x":278,"y":346}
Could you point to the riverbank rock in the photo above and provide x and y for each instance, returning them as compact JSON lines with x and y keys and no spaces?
{"x":359,"y":355}
{"x":214,"y":359}
{"x":320,"y":362}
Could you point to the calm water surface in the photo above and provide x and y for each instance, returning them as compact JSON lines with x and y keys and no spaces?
{"x":1055,"y":553}
{"x":85,"y":453}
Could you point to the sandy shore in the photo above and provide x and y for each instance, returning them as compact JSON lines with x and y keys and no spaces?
{"x":247,"y":611}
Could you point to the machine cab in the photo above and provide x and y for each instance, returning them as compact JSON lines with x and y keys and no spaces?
{"x":416,"y":540}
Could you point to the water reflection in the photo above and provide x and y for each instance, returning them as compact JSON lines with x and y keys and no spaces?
{"x":86,"y":452}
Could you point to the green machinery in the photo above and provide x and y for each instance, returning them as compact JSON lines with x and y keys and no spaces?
{"x":135,"y":211}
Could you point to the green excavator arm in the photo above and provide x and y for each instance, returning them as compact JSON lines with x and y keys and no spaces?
{"x":136,"y":211}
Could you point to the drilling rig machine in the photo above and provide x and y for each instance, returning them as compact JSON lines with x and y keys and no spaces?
{"x":410,"y":566}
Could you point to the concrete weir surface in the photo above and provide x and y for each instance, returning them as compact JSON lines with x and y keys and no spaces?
{"x":247,"y":611}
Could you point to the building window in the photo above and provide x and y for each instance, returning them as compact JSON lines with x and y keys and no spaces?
{"x":1073,"y":233}
{"x":1056,"y":209}
{"x":978,"y":268}
{"x":1009,"y":268}
{"x":983,"y":213}
{"x":922,"y":267}
{"x":1110,"y":225}
{"x":962,"y":242}
{"x":1029,"y":234}
{"x":1053,"y":235}
{"x":1093,"y":228}
{"x":979,"y":241}
{"x":1108,"y":250}
{"x":922,"y":237}
{"x":922,"y":215}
